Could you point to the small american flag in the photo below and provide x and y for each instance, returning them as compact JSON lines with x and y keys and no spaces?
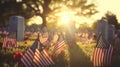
{"x":102,"y":53}
{"x":27,"y":58}
{"x":9,"y":42}
{"x":42,"y":58}
{"x":58,"y":46}
{"x":36,"y":56}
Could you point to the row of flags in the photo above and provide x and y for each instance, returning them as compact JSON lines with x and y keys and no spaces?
{"x":9,"y":42}
{"x":38,"y":56}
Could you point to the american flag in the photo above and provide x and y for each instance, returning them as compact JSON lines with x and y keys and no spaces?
{"x":42,"y":58}
{"x":9,"y":42}
{"x":102,"y":53}
{"x":36,"y":57}
{"x":58,"y":46}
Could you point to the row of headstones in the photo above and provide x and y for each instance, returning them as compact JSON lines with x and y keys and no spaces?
{"x":108,"y":30}
{"x":30,"y":29}
{"x":17,"y":25}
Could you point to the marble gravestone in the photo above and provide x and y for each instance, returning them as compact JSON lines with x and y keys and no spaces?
{"x":102,"y":27}
{"x":111,"y":32}
{"x":17,"y":27}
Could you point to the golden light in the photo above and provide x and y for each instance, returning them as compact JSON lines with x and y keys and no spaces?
{"x":65,"y":15}
{"x":65,"y":19}
{"x":35,"y":20}
{"x":108,"y":5}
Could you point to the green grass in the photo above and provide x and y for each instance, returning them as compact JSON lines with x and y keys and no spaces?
{"x":80,"y":55}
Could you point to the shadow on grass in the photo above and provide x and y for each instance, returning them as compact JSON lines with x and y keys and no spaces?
{"x":60,"y":62}
{"x":78,"y":58}
{"x":116,"y":55}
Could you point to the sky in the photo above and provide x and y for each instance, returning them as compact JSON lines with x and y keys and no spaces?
{"x":103,"y":6}
{"x":108,"y":5}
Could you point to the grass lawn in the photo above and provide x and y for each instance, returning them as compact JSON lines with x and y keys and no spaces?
{"x":80,"y":55}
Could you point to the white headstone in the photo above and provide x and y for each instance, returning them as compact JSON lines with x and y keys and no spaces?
{"x":13,"y":24}
{"x":17,"y":25}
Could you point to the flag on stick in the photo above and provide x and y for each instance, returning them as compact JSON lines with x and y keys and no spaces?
{"x":102,"y":53}
{"x":37,"y":56}
{"x":58,"y":46}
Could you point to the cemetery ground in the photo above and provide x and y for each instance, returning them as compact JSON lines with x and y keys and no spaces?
{"x":79,"y":55}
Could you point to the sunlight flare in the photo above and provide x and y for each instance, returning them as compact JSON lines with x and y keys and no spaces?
{"x":35,"y":20}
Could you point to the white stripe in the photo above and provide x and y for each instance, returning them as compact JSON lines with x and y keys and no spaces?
{"x":42,"y":58}
{"x":48,"y":57}
{"x":38,"y":53}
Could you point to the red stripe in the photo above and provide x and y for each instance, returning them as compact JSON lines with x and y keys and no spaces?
{"x":95,"y":56}
{"x":31,"y":54}
{"x":58,"y":46}
{"x":109,"y":55}
{"x":43,"y":58}
{"x":28,"y":58}
{"x":43,"y":62}
{"x":25,"y":61}
{"x":111,"y":48}
{"x":49,"y":58}
{"x":38,"y":58}
{"x":102,"y":57}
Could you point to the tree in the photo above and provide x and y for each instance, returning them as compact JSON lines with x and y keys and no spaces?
{"x":44,"y":8}
{"x":112,"y":19}
{"x":7,"y":8}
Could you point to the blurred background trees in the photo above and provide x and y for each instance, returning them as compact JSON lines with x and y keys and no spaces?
{"x":112,"y":19}
{"x":46,"y":9}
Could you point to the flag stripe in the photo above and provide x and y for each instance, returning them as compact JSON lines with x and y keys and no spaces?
{"x":49,"y":58}
{"x":38,"y":56}
{"x":30,"y":55}
{"x":26,"y":63}
{"x":45,"y":58}
{"x":43,"y":62}
{"x":28,"y":58}
{"x":58,"y":46}
{"x":38,"y":59}
{"x":41,"y":57}
{"x":102,"y":53}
